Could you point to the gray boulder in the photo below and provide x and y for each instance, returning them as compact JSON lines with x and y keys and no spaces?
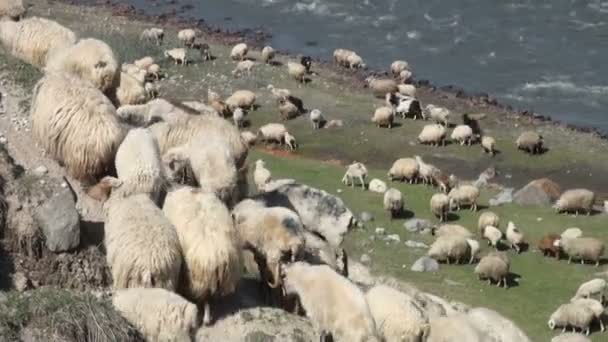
{"x":417,"y":225}
{"x":425,"y":264}
{"x":59,"y":222}
{"x":540,"y":192}
{"x":366,"y":216}
{"x":504,"y":197}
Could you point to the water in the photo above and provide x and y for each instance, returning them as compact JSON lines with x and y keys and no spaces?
{"x":545,"y":55}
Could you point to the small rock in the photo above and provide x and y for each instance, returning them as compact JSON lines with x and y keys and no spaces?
{"x":380,"y":231}
{"x":416,"y":225}
{"x":40,"y":171}
{"x":339,"y":191}
{"x":504,"y":197}
{"x":365,"y":259}
{"x":425,"y":264}
{"x":366,"y":216}
{"x":3,"y":140}
{"x":426,"y":231}
{"x":451,"y":282}
{"x":376,"y":185}
{"x":64,"y":185}
{"x":484,"y":177}
{"x":416,"y":244}
{"x":393,"y":237}
{"x":59,"y":222}
{"x":20,"y":282}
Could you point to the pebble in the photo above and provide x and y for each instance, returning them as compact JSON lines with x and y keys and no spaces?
{"x":365,"y":259}
{"x":380,"y":231}
{"x":40,"y":171}
{"x":415,"y":244}
{"x":393,"y":237}
{"x":3,"y":140}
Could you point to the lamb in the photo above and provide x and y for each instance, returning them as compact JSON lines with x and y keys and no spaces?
{"x":288,"y":110}
{"x":393,"y":202}
{"x":398,"y":66}
{"x":449,"y":247}
{"x":547,"y":245}
{"x":530,"y":142}
{"x":267,"y":54}
{"x":178,"y":55}
{"x":273,"y":132}
{"x":408,"y":90}
{"x":261,"y":175}
{"x":404,"y":169}
{"x":316,"y":117}
{"x":243,"y":67}
{"x":241,"y":98}
{"x":464,"y":194}
{"x":296,"y":70}
{"x":384,"y":116}
{"x":159,"y":314}
{"x":489,"y":145}
{"x":488,"y":218}
{"x":186,"y":36}
{"x":142,"y":246}
{"x":583,"y":248}
{"x":574,"y":315}
{"x":492,"y":234}
{"x":451,"y":230}
{"x":334,"y":304}
{"x":591,"y":288}
{"x":144,"y":62}
{"x":210,"y":245}
{"x":239,"y":52}
{"x":34,"y":40}
{"x":153,"y":34}
{"x":12,"y":10}
{"x":238,"y":116}
{"x":440,"y":206}
{"x":381,"y":87}
{"x":249,"y":138}
{"x":433,"y":135}
{"x":290,"y":141}
{"x":515,"y":237}
{"x":438,"y":114}
{"x":130,"y":91}
{"x":76,"y":124}
{"x":354,"y":171}
{"x":89,"y":59}
{"x":474,"y":249}
{"x":493,"y":268}
{"x":595,"y":306}
{"x":463,"y":134}
{"x":426,"y":171}
{"x":575,"y":200}
{"x":397,"y":315}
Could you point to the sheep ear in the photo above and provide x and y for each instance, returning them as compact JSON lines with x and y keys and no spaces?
{"x":113,"y":182}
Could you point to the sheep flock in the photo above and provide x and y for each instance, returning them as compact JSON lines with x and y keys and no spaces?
{"x":172,"y":179}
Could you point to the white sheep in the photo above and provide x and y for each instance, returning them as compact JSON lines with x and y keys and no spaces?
{"x":239,"y":52}
{"x":144,"y":63}
{"x":393,"y":202}
{"x":398,"y":66}
{"x":157,"y":109}
{"x":316,"y":118}
{"x":130,"y":91}
{"x":142,"y":246}
{"x":12,"y":9}
{"x":288,"y":110}
{"x":592,"y":288}
{"x":583,"y":248}
{"x":492,"y":234}
{"x":405,"y":76}
{"x":355,"y":61}
{"x":238,"y":116}
{"x":573,"y":315}
{"x":154,"y":34}
{"x":407,"y":90}
{"x":571,"y":233}
{"x":432,"y":134}
{"x":249,"y":138}
{"x":426,"y":171}
{"x":438,"y":114}
{"x":384,"y":116}
{"x":340,"y":56}
{"x":241,"y":98}
{"x":296,"y":70}
{"x":463,"y":134}
{"x":530,"y":142}
{"x":464,"y":195}
{"x":440,"y":206}
{"x":397,"y":315}
{"x":450,"y":247}
{"x":488,"y":218}
{"x":210,"y":245}
{"x":494,"y":267}
{"x":34,"y":40}
{"x":595,"y":306}
{"x":159,"y":314}
{"x":290,"y":141}
{"x":575,"y":200}
{"x":153,"y":71}
{"x":489,"y":145}
{"x":380,"y":87}
{"x":404,"y":169}
{"x":186,"y":36}
{"x":267,"y":54}
{"x":451,"y":230}
{"x":354,"y":171}
{"x":274,"y":132}
{"x":76,"y":124}
{"x":243,"y":67}
{"x":334,"y":304}
{"x":178,"y":55}
{"x":279,"y":93}
{"x":515,"y":237}
{"x":474,"y":249}
{"x":261,"y":175}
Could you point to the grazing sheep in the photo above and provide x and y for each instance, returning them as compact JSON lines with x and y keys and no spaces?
{"x":354,"y":171}
{"x":571,"y":233}
{"x":547,"y":245}
{"x":239,"y":52}
{"x":76,"y":124}
{"x":290,"y":141}
{"x":273,"y":132}
{"x":381,"y":87}
{"x":393,"y":202}
{"x":426,"y":171}
{"x":210,"y":245}
{"x":591,"y":288}
{"x":575,"y":200}
{"x":408,"y":90}
{"x":489,"y":145}
{"x":340,"y":56}
{"x":573,"y":315}
{"x":488,"y":218}
{"x":583,"y":248}
{"x":34,"y":40}
{"x":530,"y":142}
{"x":159,"y":314}
{"x":267,"y":54}
{"x":334,"y":304}
{"x":451,"y":230}
{"x":261,"y":175}
{"x":463,"y":134}
{"x":474,"y":249}
{"x":152,"y":90}
{"x":249,"y":138}
{"x":130,"y":91}
{"x":296,"y":70}
{"x":384,"y":116}
{"x":449,"y":247}
{"x":179,"y":56}
{"x":464,"y":195}
{"x":186,"y":36}
{"x":316,"y":117}
{"x":241,"y":98}
{"x":443,"y":181}
{"x":432,"y":134}
{"x":398,"y":66}
{"x":306,"y":61}
{"x":153,"y":34}
{"x":404,"y":169}
{"x":440,"y":206}
{"x":492,"y":234}
{"x":515,"y":237}
{"x":355,"y":61}
{"x":203,"y":48}
{"x":142,"y":246}
{"x":279,"y":93}
{"x":89,"y":59}
{"x":12,"y":9}
{"x":595,"y":306}
{"x":288,"y":110}
{"x":438,"y":114}
{"x":243,"y":67}
{"x":238,"y":116}
{"x":570,"y":337}
{"x":397,"y":315}
{"x":493,"y":268}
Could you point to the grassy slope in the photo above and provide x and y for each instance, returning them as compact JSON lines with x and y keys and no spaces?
{"x":544,"y":283}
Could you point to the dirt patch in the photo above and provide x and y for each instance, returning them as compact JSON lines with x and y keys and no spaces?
{"x":278,"y":152}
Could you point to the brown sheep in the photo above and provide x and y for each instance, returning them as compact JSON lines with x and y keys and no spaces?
{"x":547,"y":245}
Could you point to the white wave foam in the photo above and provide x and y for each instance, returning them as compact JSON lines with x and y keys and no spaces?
{"x":566,"y":87}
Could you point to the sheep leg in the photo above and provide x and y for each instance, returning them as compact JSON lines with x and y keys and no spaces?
{"x":582,"y":261}
{"x":602,"y":327}
{"x":489,"y":281}
{"x":597,"y":264}
{"x":569,"y":260}
{"x":207,"y":314}
{"x":362,"y":182}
